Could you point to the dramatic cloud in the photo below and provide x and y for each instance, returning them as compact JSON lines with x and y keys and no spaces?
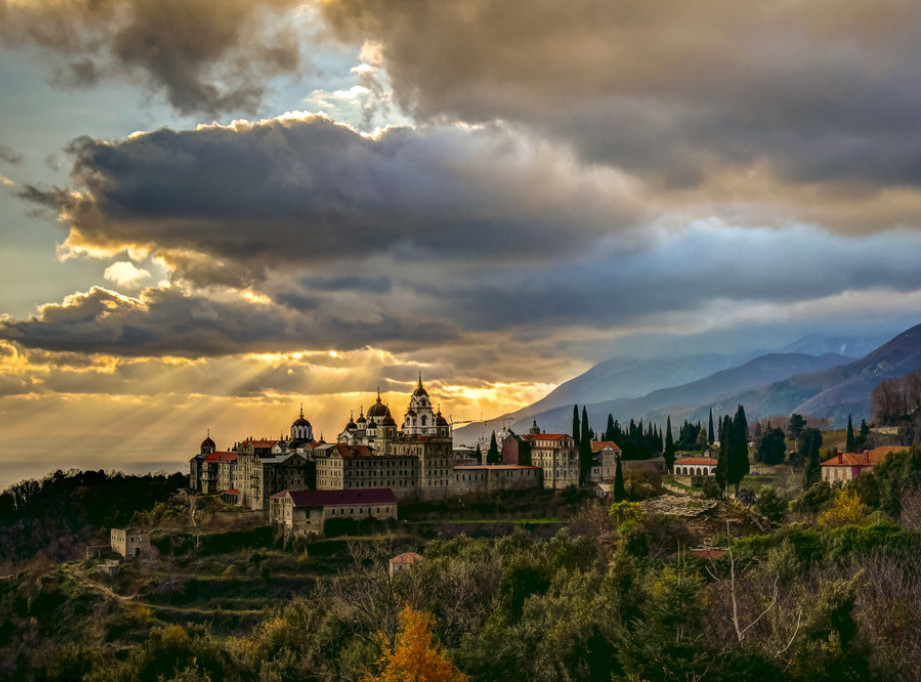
{"x":205,"y":56}
{"x":817,"y":92}
{"x":170,"y":322}
{"x":225,"y":203}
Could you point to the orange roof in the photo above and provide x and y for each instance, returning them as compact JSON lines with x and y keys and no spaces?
{"x":599,"y":445}
{"x":867,"y":458}
{"x":406,"y":558}
{"x":352,"y":451}
{"x":696,"y":461}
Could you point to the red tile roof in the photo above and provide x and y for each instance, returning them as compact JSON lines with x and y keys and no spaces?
{"x":599,"y":445}
{"x":337,"y":498}
{"x":545,"y":436}
{"x":260,"y":443}
{"x":696,"y":461}
{"x":232,"y":491}
{"x":406,"y":558}
{"x":866,"y":458}
{"x":221,"y":457}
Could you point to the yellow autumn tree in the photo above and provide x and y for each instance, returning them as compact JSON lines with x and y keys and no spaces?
{"x":415,"y":655}
{"x":846,"y":511}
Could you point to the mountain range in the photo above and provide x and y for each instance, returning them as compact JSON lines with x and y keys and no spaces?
{"x":814,"y":375}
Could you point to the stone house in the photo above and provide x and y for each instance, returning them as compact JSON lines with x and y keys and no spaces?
{"x":305,"y":512}
{"x":130,"y":542}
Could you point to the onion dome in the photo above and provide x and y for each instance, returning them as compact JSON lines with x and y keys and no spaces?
{"x":351,"y":425}
{"x":388,"y":421}
{"x":410,"y":412}
{"x":440,"y":421}
{"x":419,"y":388}
{"x":208,"y":443}
{"x":372,"y":424}
{"x":361,"y":416}
{"x":378,"y":409}
{"x":300,"y":421}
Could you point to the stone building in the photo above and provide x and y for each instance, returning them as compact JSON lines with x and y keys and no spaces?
{"x":850,"y":465}
{"x":305,"y":512}
{"x":130,"y":542}
{"x":403,"y":562}
{"x":485,"y":478}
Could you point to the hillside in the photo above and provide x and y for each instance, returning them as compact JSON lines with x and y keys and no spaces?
{"x":682,"y":400}
{"x":836,"y":392}
{"x":625,"y":379}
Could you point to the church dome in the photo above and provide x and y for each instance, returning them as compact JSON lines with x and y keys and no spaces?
{"x":351,"y":425}
{"x":372,"y":424}
{"x":441,"y":421}
{"x":388,"y":421}
{"x":300,"y":421}
{"x":208,"y":443}
{"x":378,"y":409}
{"x":420,"y":389}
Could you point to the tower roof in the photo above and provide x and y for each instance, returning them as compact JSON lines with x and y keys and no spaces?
{"x":420,"y":389}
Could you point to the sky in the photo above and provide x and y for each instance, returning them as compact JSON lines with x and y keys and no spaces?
{"x":212,"y":213}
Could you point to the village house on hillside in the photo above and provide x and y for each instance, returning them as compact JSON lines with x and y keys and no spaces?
{"x":850,"y":465}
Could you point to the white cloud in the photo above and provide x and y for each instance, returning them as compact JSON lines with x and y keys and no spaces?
{"x":126,"y":274}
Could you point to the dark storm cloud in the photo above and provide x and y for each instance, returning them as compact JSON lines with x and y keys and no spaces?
{"x":305,"y":190}
{"x":205,"y":56}
{"x":379,"y":285}
{"x":824,"y":91}
{"x":168,"y":322}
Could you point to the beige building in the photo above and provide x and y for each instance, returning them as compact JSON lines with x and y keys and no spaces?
{"x":604,"y":461}
{"x":130,"y":542}
{"x":304,"y":512}
{"x":556,"y":455}
{"x":850,"y":465}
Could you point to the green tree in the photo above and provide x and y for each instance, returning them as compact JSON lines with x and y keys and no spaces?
{"x":771,"y":447}
{"x":850,"y":443}
{"x":478,"y":454}
{"x":585,"y":449}
{"x":492,"y":455}
{"x":795,"y":428}
{"x":669,"y":445}
{"x":702,"y":442}
{"x":576,"y":433}
{"x":810,"y":443}
{"x":711,"y":436}
{"x":738,"y":457}
{"x":619,"y":493}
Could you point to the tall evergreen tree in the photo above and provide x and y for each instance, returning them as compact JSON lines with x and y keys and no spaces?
{"x":478,"y":454}
{"x":585,"y":449}
{"x":851,"y":443}
{"x":492,"y":455}
{"x":609,"y":431}
{"x":722,"y":457}
{"x":669,"y":445}
{"x":575,"y":424}
{"x":620,"y":494}
{"x":810,"y":442}
{"x":711,"y":437}
{"x":738,"y":457}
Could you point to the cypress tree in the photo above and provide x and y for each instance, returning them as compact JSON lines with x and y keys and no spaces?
{"x":851,"y":443}
{"x":575,"y":424}
{"x":722,"y":458}
{"x":585,"y":449}
{"x":711,"y":438}
{"x":478,"y":454}
{"x":609,"y":431}
{"x":492,"y":455}
{"x":669,"y":445}
{"x":620,"y":493}
{"x":738,"y":457}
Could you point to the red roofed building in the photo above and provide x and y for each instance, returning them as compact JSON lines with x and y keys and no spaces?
{"x":404,"y":561}
{"x":850,"y":465}
{"x":217,"y":472}
{"x":556,"y":455}
{"x":695,"y":466}
{"x":604,"y":461}
{"x":305,"y":512}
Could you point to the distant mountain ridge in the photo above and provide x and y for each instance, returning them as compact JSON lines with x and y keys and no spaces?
{"x":635,"y":388}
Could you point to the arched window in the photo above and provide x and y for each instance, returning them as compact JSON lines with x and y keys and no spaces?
{"x":423,"y":420}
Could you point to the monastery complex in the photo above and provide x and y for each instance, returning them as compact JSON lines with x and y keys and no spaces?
{"x":375,"y":463}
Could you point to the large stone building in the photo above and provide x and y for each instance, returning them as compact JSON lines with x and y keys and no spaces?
{"x":415,"y":459}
